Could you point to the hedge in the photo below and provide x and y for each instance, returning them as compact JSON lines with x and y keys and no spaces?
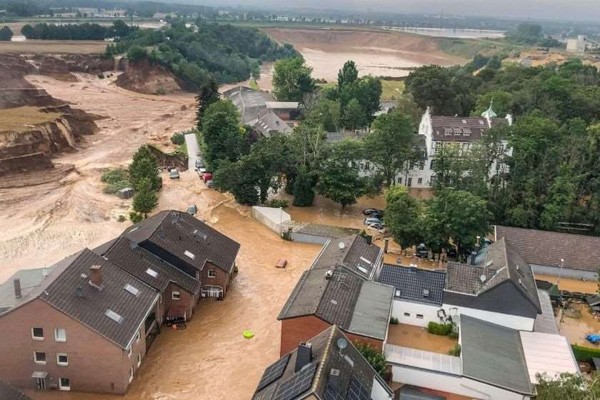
{"x":585,"y":353}
{"x":439,"y":329}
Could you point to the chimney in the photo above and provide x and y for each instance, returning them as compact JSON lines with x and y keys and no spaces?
{"x":303,"y":356}
{"x":17,"y":284}
{"x":96,"y":276}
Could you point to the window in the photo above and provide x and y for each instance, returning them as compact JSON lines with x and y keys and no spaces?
{"x":132,"y":289}
{"x":419,"y":316}
{"x":37,"y":333}
{"x":39,"y":357}
{"x":432,"y":164}
{"x":420,"y":181}
{"x":130,"y":374}
{"x":399,"y":181}
{"x":189,"y":254}
{"x":175,"y":295}
{"x":152,"y":272}
{"x":398,"y":293}
{"x":60,"y":335}
{"x":409,"y":183}
{"x":114,"y":316}
{"x":212,"y":273}
{"x":139,"y":359}
{"x":62,"y":359}
{"x":129,"y":351}
{"x":64,"y":384}
{"x":432,"y":181}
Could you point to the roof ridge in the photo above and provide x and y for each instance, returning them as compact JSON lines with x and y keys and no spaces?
{"x":324,"y":358}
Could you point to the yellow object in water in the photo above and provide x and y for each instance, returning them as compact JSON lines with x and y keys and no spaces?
{"x":248,"y":334}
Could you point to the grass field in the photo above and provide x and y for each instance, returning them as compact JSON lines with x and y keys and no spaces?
{"x":54,"y":46}
{"x":467,"y":48}
{"x":391,"y":89}
{"x":21,"y":119}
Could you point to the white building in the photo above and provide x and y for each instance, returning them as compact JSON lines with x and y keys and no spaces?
{"x":437,"y":131}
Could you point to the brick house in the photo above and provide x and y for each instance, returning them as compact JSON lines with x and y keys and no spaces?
{"x":191,"y":246}
{"x":180,"y":292}
{"x":328,"y":366}
{"x":338,"y":296}
{"x":82,"y":325}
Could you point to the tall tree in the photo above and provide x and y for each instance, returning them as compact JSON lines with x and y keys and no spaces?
{"x":404,"y":217}
{"x":292,"y":79}
{"x":369,"y":95}
{"x":144,"y":166}
{"x":568,"y":386}
{"x":223,"y":137}
{"x":5,"y":34}
{"x":145,"y":199}
{"x":209,"y":94}
{"x":354,"y":115}
{"x":340,"y":178}
{"x":347,"y":75}
{"x":304,"y":192}
{"x":391,"y":144}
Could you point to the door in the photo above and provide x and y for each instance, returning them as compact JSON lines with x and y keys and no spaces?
{"x":40,"y":383}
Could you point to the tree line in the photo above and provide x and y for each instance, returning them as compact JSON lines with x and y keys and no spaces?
{"x":76,"y":31}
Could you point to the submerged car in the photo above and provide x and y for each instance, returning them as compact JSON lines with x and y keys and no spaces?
{"x":371,"y":220}
{"x":174,"y":173}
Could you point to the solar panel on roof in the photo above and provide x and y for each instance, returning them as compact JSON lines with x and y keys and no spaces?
{"x":356,"y":391}
{"x":331,"y":393}
{"x":273,"y":372}
{"x":297,"y":384}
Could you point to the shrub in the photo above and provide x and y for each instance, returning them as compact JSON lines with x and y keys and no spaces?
{"x":121,"y":218}
{"x":455,"y":350}
{"x":161,"y":91}
{"x":178,"y":139}
{"x":115,"y":175}
{"x":453,"y":335}
{"x":276,"y":203}
{"x":373,"y":356}
{"x":114,"y":187}
{"x":439,"y":329}
{"x":135,"y":217}
{"x":394,"y":321}
{"x":584,"y":353}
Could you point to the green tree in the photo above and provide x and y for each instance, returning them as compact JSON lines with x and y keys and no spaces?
{"x":223,"y":137}
{"x":374,"y":357}
{"x":404,"y":217}
{"x":292,"y":79}
{"x":354,"y":115}
{"x":339,"y":178}
{"x":304,"y":189}
{"x":431,"y":86}
{"x":568,"y":386}
{"x":369,"y":95}
{"x":137,"y":53}
{"x":326,"y":113}
{"x":457,"y":217}
{"x":500,"y":100}
{"x":144,"y":166}
{"x":145,"y":199}
{"x":561,"y":198}
{"x":209,"y":94}
{"x":391,"y":144}
{"x":309,"y":143}
{"x":5,"y":34}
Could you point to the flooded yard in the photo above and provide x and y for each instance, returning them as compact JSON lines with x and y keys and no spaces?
{"x":576,"y":323}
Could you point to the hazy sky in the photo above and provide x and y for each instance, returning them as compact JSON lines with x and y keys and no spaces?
{"x":536,"y":9}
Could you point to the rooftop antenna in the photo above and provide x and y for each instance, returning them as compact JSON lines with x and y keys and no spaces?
{"x":341,"y":343}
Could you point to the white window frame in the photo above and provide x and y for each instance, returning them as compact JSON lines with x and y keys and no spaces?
{"x":175,"y":295}
{"x":56,"y":338}
{"x":213,"y":274}
{"x":64,"y":388}
{"x":62,"y":363}
{"x":37,"y":337}
{"x":35,"y":360}
{"x":139,"y":359}
{"x":130,"y":374}
{"x":129,"y":350}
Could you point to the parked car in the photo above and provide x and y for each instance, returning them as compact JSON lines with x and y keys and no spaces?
{"x":373,"y":212}
{"x":371,"y":220}
{"x":422,"y":251}
{"x":201,"y":170}
{"x":210,"y":184}
{"x":378,"y":227}
{"x":174,"y":173}
{"x":206,"y":176}
{"x":199,"y":164}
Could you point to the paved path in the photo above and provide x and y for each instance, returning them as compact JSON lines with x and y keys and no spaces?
{"x":193,"y":149}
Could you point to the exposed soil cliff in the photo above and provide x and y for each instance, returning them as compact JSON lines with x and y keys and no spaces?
{"x":33,"y":124}
{"x":143,"y":77}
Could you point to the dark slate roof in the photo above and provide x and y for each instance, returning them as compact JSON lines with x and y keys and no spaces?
{"x":249,"y":102}
{"x":136,"y":261}
{"x":8,"y":392}
{"x":461,"y":129}
{"x":90,"y":305}
{"x":180,"y":233}
{"x":413,"y":284}
{"x":494,"y":354}
{"x":268,"y":123}
{"x":354,"y":381}
{"x":500,"y":264}
{"x":548,"y":248}
{"x":356,"y":254}
{"x":352,"y":302}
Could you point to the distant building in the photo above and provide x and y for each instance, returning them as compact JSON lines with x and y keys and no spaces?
{"x":547,"y":252}
{"x":326,"y":367}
